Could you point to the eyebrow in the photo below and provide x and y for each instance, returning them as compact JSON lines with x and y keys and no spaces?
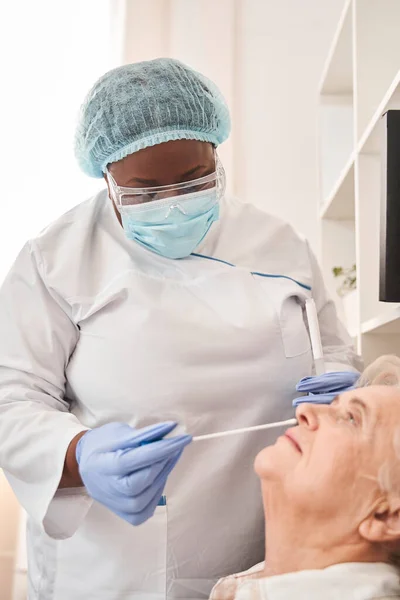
{"x":194,"y":170}
{"x":154,"y":182}
{"x":144,"y":182}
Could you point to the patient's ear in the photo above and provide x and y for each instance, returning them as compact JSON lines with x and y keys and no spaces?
{"x":383,"y":524}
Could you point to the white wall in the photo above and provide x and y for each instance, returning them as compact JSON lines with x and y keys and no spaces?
{"x":208,"y":45}
{"x":267,"y":58}
{"x":52,"y":56}
{"x":52,"y":53}
{"x":281,"y":49}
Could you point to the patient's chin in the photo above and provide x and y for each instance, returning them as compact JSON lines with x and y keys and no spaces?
{"x":264,"y":464}
{"x":276,"y":461}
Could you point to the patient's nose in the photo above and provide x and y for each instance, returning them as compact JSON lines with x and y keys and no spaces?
{"x":307,"y":416}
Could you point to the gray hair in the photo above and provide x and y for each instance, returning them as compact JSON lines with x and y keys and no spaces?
{"x":385,"y":370}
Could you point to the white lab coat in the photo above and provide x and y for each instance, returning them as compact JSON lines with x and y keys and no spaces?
{"x":95,"y":328}
{"x":346,"y":581}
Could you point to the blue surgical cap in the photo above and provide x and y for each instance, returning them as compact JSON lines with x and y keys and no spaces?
{"x":144,"y":104}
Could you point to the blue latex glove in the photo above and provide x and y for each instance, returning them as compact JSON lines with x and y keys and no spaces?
{"x":126,"y":469}
{"x":322,"y":389}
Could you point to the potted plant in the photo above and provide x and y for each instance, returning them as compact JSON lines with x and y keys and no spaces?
{"x":347,"y":290}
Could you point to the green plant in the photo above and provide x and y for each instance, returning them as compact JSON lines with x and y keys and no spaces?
{"x":349,"y":282}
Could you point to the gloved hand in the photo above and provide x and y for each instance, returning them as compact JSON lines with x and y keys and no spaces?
{"x":126,"y":469}
{"x":322,"y":389}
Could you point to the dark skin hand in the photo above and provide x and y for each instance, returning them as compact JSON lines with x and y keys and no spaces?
{"x":164,"y":164}
{"x":71,"y":477}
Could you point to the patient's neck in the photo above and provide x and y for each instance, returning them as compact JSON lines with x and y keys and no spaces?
{"x":301,"y":542}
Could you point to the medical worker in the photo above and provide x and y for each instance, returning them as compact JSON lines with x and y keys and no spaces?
{"x":155,"y":311}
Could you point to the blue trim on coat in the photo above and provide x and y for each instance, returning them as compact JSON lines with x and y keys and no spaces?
{"x":225,"y":262}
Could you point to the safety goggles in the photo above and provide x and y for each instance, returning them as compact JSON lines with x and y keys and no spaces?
{"x":131,"y":196}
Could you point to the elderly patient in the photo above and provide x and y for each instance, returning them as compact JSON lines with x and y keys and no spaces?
{"x":331,"y":494}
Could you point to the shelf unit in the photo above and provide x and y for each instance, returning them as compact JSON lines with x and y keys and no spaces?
{"x":360,"y":81}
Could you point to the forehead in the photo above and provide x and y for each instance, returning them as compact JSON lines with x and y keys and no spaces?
{"x":180,"y":152}
{"x":380,"y":399}
{"x":165,"y":163}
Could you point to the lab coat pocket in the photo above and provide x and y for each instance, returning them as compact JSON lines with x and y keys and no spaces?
{"x":293,"y":328}
{"x":152,"y":562}
{"x":108,"y":555}
{"x":288,"y":300}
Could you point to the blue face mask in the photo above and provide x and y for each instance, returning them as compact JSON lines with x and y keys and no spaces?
{"x":172,"y":227}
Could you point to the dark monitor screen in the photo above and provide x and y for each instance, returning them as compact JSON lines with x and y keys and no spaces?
{"x":389,"y":272}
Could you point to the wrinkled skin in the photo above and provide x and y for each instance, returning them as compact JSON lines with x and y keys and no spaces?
{"x":330,"y":485}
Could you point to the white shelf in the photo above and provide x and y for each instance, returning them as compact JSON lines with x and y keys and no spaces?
{"x":337,"y":76}
{"x":360,"y":82}
{"x":377,"y":55}
{"x":370,"y":140}
{"x":340,"y":203}
{"x":385,"y":323}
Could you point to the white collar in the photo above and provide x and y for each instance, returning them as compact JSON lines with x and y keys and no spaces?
{"x":348,"y":581}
